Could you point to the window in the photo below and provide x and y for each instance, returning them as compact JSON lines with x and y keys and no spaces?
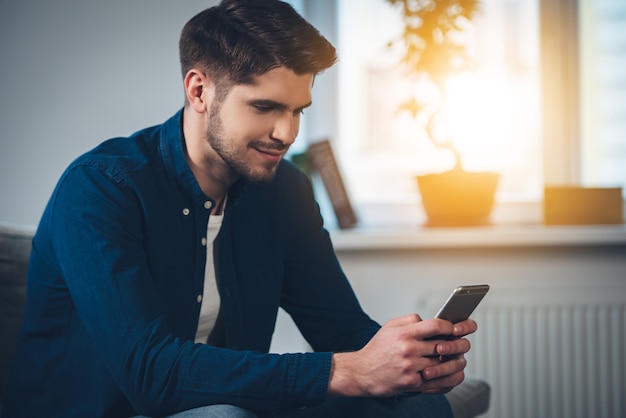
{"x":603,"y":75}
{"x":546,"y":103}
{"x":388,"y":148}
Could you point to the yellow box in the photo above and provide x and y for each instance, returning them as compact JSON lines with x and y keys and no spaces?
{"x":572,"y":205}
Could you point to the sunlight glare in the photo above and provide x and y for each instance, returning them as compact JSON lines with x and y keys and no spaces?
{"x":479,"y":116}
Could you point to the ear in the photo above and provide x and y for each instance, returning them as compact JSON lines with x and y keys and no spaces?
{"x":199,"y":90}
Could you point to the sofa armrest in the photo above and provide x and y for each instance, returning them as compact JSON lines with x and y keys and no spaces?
{"x":15,"y":245}
{"x":470,"y":398}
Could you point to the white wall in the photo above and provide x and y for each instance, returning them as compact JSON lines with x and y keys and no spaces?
{"x":74,"y":73}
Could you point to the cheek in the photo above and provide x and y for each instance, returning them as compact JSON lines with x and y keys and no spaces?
{"x":252,"y":129}
{"x":246,"y":127}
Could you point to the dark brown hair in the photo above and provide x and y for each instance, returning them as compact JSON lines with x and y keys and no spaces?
{"x":240,"y":39}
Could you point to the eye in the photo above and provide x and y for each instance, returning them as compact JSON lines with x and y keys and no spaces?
{"x":260,"y":108}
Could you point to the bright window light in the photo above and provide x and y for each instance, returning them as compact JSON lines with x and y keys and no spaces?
{"x":493,"y":113}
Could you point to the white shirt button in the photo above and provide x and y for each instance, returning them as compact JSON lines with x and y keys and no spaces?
{"x":203,"y":241}
{"x":199,"y":298}
{"x":208,"y":204}
{"x":186,"y":211}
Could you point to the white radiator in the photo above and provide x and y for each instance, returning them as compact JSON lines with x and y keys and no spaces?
{"x":546,"y":357}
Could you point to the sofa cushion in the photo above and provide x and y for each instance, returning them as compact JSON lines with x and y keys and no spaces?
{"x":15,"y":244}
{"x":470,"y":398}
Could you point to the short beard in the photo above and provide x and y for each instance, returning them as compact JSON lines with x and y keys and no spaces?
{"x":242,"y":168}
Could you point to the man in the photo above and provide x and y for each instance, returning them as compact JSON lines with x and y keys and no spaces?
{"x":161,"y":260}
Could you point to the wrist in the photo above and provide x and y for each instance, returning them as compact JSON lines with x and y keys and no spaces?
{"x":343,"y":380}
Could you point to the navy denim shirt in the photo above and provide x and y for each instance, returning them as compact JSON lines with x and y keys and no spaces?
{"x":115,"y":284}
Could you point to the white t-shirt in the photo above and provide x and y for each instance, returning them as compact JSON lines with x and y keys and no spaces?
{"x":210,"y":296}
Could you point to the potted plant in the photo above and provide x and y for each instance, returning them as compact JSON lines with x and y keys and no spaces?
{"x":433,"y":50}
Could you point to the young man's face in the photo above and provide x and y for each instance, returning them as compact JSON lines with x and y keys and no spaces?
{"x":253,"y":127}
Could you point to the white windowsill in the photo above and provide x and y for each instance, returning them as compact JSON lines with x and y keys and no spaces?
{"x":397,"y":238}
{"x":397,"y":227}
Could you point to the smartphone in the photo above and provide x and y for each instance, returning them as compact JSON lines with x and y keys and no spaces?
{"x":462,"y":302}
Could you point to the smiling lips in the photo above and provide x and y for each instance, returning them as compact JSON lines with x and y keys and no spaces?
{"x":271,"y":153}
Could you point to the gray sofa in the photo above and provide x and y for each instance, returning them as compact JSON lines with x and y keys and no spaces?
{"x":15,"y":243}
{"x":469,"y":399}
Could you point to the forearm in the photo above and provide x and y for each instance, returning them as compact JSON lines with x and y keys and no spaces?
{"x":255,"y":381}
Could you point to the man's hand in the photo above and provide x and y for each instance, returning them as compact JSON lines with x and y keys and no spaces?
{"x":400,"y":358}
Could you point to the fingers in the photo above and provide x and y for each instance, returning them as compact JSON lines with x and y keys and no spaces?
{"x":403,"y":320}
{"x":438,"y":337}
{"x":442,"y":385}
{"x":433,"y":327}
{"x":463,"y":328}
{"x":439,"y":329}
{"x":442,"y":378}
{"x":439,"y":387}
{"x":452,"y":347}
{"x":446,"y":368}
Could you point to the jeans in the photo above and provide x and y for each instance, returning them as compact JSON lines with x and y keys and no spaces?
{"x":416,"y":406}
{"x":412,"y":406}
{"x":213,"y":411}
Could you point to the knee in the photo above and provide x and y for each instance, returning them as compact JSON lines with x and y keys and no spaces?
{"x":214,"y":411}
{"x":228,"y":411}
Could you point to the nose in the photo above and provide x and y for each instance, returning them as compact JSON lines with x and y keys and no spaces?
{"x":286,"y":128}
